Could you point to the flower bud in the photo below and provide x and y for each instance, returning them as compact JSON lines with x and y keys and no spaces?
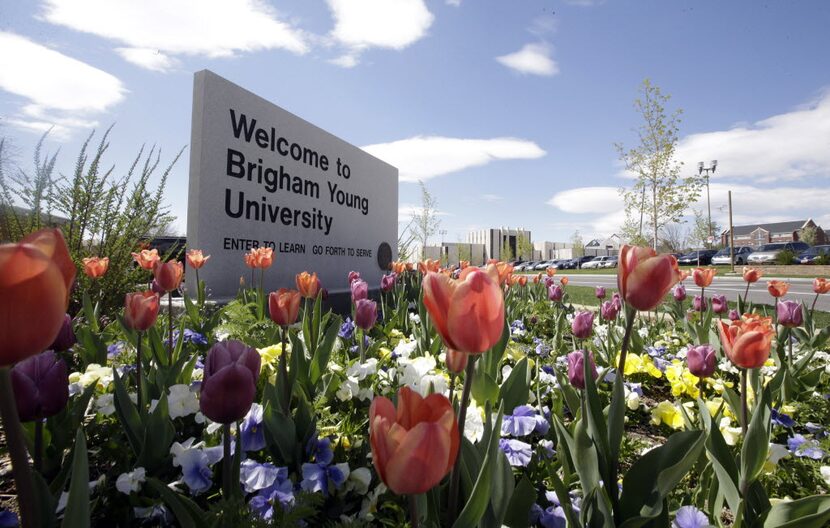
{"x":600,"y":292}
{"x":699,"y":303}
{"x":168,"y":275}
{"x":196,"y":259}
{"x":734,"y":315}
{"x":307,"y":284}
{"x":41,"y":386}
{"x":229,"y":381}
{"x":703,"y":276}
{"x":777,"y":288}
{"x":353,"y":276}
{"x":609,"y":310}
{"x":790,"y":313}
{"x":141,"y":310}
{"x":555,"y":293}
{"x":365,"y":313}
{"x":583,"y":324}
{"x":701,"y":360}
{"x":456,"y":361}
{"x":66,"y":336}
{"x":360,"y":290}
{"x":679,"y":293}
{"x":719,"y":304}
{"x":284,"y":306}
{"x":96,"y":267}
{"x":576,"y":368}
{"x":644,"y":277}
{"x":387,"y":282}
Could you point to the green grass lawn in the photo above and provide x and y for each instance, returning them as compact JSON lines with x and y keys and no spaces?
{"x":584,"y":295}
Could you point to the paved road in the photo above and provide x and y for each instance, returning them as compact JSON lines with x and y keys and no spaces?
{"x":801,"y":289}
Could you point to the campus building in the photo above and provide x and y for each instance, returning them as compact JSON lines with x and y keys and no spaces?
{"x":756,"y":235}
{"x":504,"y":243}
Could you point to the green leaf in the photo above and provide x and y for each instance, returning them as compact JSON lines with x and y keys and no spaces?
{"x":480,"y":497}
{"x":756,"y":443}
{"x":808,"y":512}
{"x":89,"y":312}
{"x":616,"y":419}
{"x":721,"y":457}
{"x":650,"y":480}
{"x":159,"y":433}
{"x":77,"y":505}
{"x":501,"y":492}
{"x":186,"y":511}
{"x":127,"y":414}
{"x":320,"y":359}
{"x":522,"y":500}
{"x":515,"y":391}
{"x":282,"y":432}
{"x":484,"y":388}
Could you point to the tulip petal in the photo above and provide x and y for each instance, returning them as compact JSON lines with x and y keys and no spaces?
{"x":438,"y":292}
{"x":476,"y":315}
{"x":650,"y":281}
{"x":228,"y":394}
{"x":420,"y":461}
{"x":751,"y":350}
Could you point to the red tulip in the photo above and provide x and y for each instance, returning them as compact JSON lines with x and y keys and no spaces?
{"x":747,"y":341}
{"x":468,"y":313}
{"x":644,"y":277}
{"x":229,"y":381}
{"x":456,"y":361}
{"x":96,"y":267}
{"x":751,"y":274}
{"x":308,"y":284}
{"x":168,"y":275}
{"x":196,"y":259}
{"x":703,"y":276}
{"x":147,"y":258}
{"x":36,"y":276}
{"x":284,"y":306}
{"x":141,"y":310}
{"x":777,"y":288}
{"x":415,"y":445}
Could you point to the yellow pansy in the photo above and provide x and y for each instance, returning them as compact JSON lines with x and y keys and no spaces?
{"x":682,"y":380}
{"x":384,"y":352}
{"x":269,"y":354}
{"x":637,"y":364}
{"x":668,"y":413}
{"x":514,"y":352}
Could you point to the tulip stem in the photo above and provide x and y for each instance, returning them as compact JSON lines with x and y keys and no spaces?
{"x":226,"y":461}
{"x":744,"y":424}
{"x":746,"y":295}
{"x":413,"y":511}
{"x":138,"y":383}
{"x":286,"y":403}
{"x":38,"y":454}
{"x":813,"y":307}
{"x":24,"y":483}
{"x":462,"y":418}
{"x":198,"y":288}
{"x":361,"y":345}
{"x":170,"y":326}
{"x":630,"y":315}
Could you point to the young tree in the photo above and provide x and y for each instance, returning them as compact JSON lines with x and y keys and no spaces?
{"x":809,"y":235}
{"x":673,"y":238}
{"x":524,"y":247}
{"x":425,"y":220}
{"x":700,"y":232}
{"x":464,"y":251}
{"x":506,"y":253}
{"x":578,"y":244}
{"x":659,"y":194}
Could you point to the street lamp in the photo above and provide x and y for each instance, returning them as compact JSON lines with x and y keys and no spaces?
{"x":701,"y":168}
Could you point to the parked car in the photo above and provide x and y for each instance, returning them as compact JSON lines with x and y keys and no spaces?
{"x":700,"y":257}
{"x":525,"y":266}
{"x":610,"y":263}
{"x":597,"y":262}
{"x":741,"y":254}
{"x":582,"y":260}
{"x":567,"y":264}
{"x":768,"y":253}
{"x":545,"y":264}
{"x":814,"y":253}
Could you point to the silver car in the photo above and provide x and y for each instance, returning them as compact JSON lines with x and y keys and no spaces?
{"x":741,"y":255}
{"x":768,"y":253}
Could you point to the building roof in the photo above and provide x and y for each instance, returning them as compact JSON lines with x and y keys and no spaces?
{"x":775,"y":227}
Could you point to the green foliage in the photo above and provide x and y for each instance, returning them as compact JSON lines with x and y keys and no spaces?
{"x":809,"y":235}
{"x":785,"y":257}
{"x":101,"y":212}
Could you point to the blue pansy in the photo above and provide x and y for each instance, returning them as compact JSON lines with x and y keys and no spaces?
{"x":8,"y":519}
{"x":255,"y":476}
{"x":801,"y":447}
{"x":196,"y":473}
{"x":518,"y":453}
{"x":319,"y":477}
{"x":252,"y":432}
{"x":784,"y":420}
{"x":114,"y":349}
{"x":690,"y":517}
{"x":553,"y":517}
{"x":346,"y":329}
{"x":319,"y":450}
{"x":280,"y":492}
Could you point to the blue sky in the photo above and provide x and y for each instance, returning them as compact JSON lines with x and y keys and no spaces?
{"x":507,"y":110}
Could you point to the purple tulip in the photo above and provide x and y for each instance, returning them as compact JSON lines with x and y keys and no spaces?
{"x":66,"y":337}
{"x":699,"y":303}
{"x":701,"y":360}
{"x":583,"y":324}
{"x":600,"y":292}
{"x":157,"y":288}
{"x":41,"y":386}
{"x":616,"y":300}
{"x":609,"y":310}
{"x":734,"y":315}
{"x":576,"y":368}
{"x":719,"y":304}
{"x":229,"y":381}
{"x":549,"y":281}
{"x":555,"y":292}
{"x":360,"y":290}
{"x":387,"y":282}
{"x":790,"y":313}
{"x":353,"y":276}
{"x":365,"y":313}
{"x":679,"y":293}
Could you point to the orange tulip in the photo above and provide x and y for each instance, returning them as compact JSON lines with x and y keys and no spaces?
{"x":821,"y":285}
{"x":463,"y":264}
{"x":141,"y":310}
{"x":195,"y":258}
{"x":703,"y":276}
{"x":456,"y":361}
{"x":563,"y":281}
{"x":425,"y":266}
{"x":523,"y":280}
{"x":504,"y":270}
{"x":644,"y":277}
{"x":264,"y":257}
{"x":747,"y":341}
{"x":551,"y":271}
{"x":284,"y":306}
{"x":308,"y":284}
{"x":777,"y":288}
{"x":683,"y":275}
{"x":751,"y":274}
{"x":168,"y":275}
{"x":415,"y":445}
{"x":36,"y":278}
{"x":538,"y":278}
{"x":96,"y":267}
{"x":147,"y":258}
{"x":250,"y":258}
{"x":468,"y":312}
{"x":409,"y":266}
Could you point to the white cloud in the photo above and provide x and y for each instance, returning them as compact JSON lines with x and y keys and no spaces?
{"x":61,"y":91}
{"x":786,"y":146}
{"x":392,"y":24}
{"x":533,"y":59}
{"x":454,"y":3}
{"x":209,"y":28}
{"x":406,"y":211}
{"x":491,"y":197}
{"x":349,"y":60}
{"x":425,"y":157}
{"x":148,"y":58}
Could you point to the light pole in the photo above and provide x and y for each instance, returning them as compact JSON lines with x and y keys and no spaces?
{"x":708,"y":170}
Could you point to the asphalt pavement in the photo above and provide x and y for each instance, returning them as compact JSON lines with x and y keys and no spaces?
{"x":801,"y":289}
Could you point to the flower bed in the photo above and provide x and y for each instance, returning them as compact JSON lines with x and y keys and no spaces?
{"x":467,"y":397}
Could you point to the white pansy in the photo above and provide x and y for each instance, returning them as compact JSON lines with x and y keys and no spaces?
{"x":405,"y":349}
{"x":130,"y":482}
{"x":348,"y":389}
{"x":777,"y":452}
{"x":414,"y":318}
{"x":825,"y":474}
{"x":730,"y":434}
{"x":359,"y":480}
{"x":473,"y":424}
{"x":182,"y":401}
{"x":104,"y":404}
{"x":632,"y":399}
{"x":362,"y":370}
{"x":643,"y":332}
{"x":365,"y":394}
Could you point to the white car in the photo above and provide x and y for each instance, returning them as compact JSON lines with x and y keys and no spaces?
{"x":599,"y":262}
{"x":741,"y":255}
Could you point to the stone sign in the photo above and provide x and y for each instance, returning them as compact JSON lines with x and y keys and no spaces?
{"x":261,"y":176}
